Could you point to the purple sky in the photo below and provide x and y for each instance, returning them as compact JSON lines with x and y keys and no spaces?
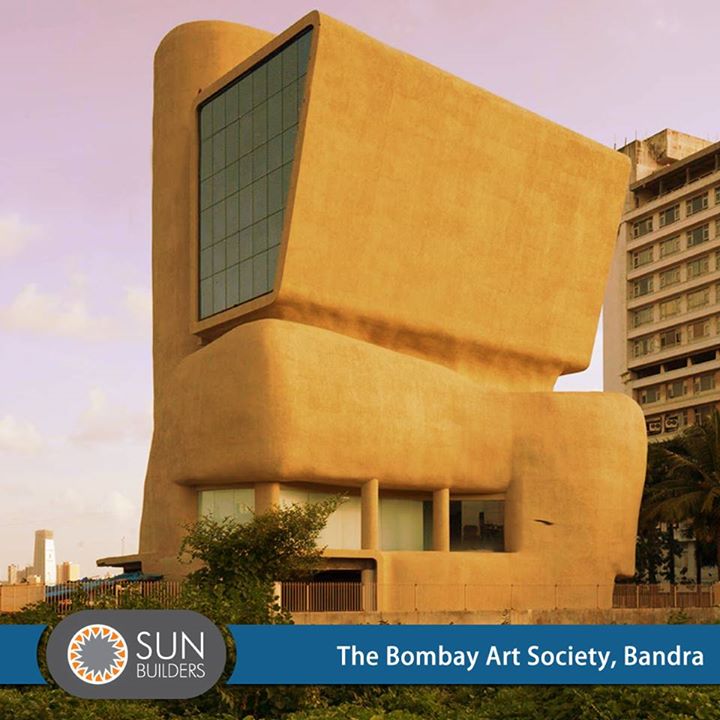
{"x":75,"y":395}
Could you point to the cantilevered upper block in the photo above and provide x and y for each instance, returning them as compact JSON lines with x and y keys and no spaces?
{"x":347,"y":185}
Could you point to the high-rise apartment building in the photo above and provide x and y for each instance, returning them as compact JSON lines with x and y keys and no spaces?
{"x":662,"y":306}
{"x":44,"y":558}
{"x":67,"y":572}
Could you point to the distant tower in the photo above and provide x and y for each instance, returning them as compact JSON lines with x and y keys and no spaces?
{"x":44,"y":558}
{"x":67,"y":572}
{"x":12,"y":574}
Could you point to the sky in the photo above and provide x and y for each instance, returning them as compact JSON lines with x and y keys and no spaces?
{"x":75,"y":224}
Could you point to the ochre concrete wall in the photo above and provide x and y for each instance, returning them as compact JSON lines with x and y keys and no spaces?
{"x":444,"y":259}
{"x":435,"y":218}
{"x":188,"y":59}
{"x":612,"y":616}
{"x":16,"y":597}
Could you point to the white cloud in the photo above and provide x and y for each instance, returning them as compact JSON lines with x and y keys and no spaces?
{"x":103,"y":422}
{"x":67,"y":314}
{"x":35,"y":311}
{"x":138,"y":302}
{"x":78,"y":281}
{"x":18,"y":435}
{"x":120,"y":506}
{"x":666,"y":25}
{"x":14,"y":235}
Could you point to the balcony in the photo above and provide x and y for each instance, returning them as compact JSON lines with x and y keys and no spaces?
{"x":679,"y":195}
{"x":683,"y":348}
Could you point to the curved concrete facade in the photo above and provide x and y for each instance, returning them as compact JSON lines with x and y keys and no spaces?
{"x":443,"y":260}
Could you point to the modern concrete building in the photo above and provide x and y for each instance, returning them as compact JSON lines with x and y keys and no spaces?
{"x":12,"y":574}
{"x":68,"y":572}
{"x":21,"y":575}
{"x":662,"y":307}
{"x":44,"y":562}
{"x":367,"y":276}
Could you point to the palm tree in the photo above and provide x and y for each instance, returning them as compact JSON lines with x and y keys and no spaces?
{"x":657,"y":548}
{"x":687,"y":489}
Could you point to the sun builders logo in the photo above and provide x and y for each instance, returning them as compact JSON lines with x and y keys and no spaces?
{"x":136,"y":654}
{"x":97,"y":654}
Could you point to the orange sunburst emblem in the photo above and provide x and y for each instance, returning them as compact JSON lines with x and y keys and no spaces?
{"x":97,"y":654}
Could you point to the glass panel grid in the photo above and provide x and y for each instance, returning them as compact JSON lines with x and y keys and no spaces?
{"x":342,"y":530}
{"x":247,"y":143}
{"x":235,"y":503}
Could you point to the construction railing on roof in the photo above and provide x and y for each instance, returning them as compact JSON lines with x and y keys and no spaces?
{"x":89,"y":594}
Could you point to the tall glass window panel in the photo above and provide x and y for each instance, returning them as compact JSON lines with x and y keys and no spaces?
{"x":247,"y":145}
{"x":402,"y":524}
{"x":235,"y":503}
{"x":342,"y":529}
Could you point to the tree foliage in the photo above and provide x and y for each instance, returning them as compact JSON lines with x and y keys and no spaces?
{"x":278,"y":545}
{"x":657,"y":548}
{"x":656,"y":551}
{"x":685,"y":483}
{"x":239,"y":563}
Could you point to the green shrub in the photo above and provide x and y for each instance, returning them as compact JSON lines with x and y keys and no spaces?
{"x":602,"y":703}
{"x":47,"y":704}
{"x":354,"y":712}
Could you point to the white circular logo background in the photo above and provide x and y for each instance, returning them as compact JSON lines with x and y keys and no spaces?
{"x":97,"y":654}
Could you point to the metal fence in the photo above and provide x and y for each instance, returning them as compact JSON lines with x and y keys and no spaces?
{"x":328,"y":597}
{"x":113,"y":594}
{"x":424,"y":597}
{"x":666,"y":596}
{"x":354,"y":596}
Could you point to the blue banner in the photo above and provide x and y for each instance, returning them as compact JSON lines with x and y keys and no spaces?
{"x":18,"y":654}
{"x":476,"y":654}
